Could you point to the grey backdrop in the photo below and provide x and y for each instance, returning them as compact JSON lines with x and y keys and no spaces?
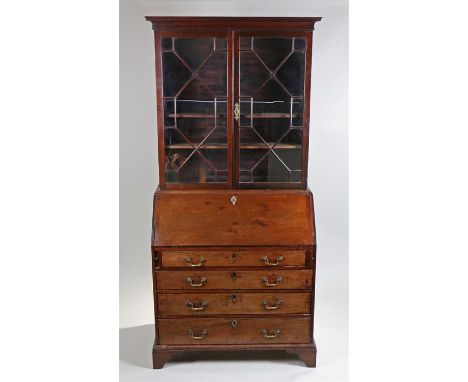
{"x":328,"y":158}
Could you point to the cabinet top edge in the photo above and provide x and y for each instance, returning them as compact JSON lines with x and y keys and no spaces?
{"x":291,"y":23}
{"x":236,"y":191}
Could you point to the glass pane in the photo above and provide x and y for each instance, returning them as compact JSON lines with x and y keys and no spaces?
{"x":252,"y":74}
{"x":271,"y":90}
{"x":291,"y":74}
{"x":271,"y":50}
{"x":166,"y":43}
{"x":193,"y":51}
{"x":175,"y":74}
{"x":299,"y":43}
{"x":245,"y":43}
{"x":195,"y":109}
{"x":221,"y":44}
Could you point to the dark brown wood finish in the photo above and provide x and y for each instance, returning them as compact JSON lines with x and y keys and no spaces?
{"x":163,"y":353}
{"x":233,"y":269}
{"x":194,"y":23}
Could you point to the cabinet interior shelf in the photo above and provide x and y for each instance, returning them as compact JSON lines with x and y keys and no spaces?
{"x":220,"y":146}
{"x":257,"y":115}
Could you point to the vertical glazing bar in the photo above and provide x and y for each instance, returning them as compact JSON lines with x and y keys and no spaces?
{"x":291,"y":113}
{"x":215,"y":108}
{"x":175,"y":112}
{"x":251,"y":113}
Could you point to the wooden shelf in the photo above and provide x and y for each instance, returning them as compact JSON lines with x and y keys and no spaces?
{"x":255,"y":116}
{"x":220,"y":146}
{"x":195,"y":115}
{"x":271,"y":115}
{"x":186,"y":146}
{"x":281,"y":146}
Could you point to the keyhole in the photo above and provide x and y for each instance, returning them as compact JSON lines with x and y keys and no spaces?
{"x":233,"y":276}
{"x":234,"y":323}
{"x":234,"y":298}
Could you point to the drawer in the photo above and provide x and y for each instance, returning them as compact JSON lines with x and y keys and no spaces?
{"x":193,"y":304}
{"x":199,"y":331}
{"x":255,"y":279}
{"x":233,"y":258}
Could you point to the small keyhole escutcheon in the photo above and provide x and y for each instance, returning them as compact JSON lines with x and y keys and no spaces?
{"x":233,"y":200}
{"x":234,"y":276}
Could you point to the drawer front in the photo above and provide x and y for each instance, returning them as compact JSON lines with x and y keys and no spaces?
{"x":193,"y":304}
{"x":206,"y":279}
{"x":200,"y":259}
{"x":199,"y":331}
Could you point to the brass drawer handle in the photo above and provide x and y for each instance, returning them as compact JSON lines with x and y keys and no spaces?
{"x":204,"y":333}
{"x":200,"y":306}
{"x":266,"y":260}
{"x":272,"y":307}
{"x":199,"y":264}
{"x":267,"y":282}
{"x":276,"y":333}
{"x":200,"y":284}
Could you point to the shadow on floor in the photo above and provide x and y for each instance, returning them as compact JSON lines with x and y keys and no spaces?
{"x":136,"y":346}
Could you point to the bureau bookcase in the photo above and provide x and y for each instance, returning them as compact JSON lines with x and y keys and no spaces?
{"x":233,"y":243}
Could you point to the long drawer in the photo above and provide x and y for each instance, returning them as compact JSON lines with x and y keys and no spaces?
{"x":193,"y":304}
{"x":232,"y":258}
{"x":233,"y":331}
{"x":257,"y":279}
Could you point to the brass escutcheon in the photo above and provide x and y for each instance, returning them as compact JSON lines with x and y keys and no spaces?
{"x":236,"y":111}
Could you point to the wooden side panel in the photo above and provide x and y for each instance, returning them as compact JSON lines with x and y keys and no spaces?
{"x":202,"y":259}
{"x":176,"y":304}
{"x":233,"y":218}
{"x":233,"y":331}
{"x":201,"y":280}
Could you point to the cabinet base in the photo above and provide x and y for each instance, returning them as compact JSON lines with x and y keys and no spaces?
{"x":163,"y":353}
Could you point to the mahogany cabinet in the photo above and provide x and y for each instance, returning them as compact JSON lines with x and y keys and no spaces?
{"x":233,"y":239}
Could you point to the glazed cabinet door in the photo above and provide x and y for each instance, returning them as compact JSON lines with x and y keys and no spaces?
{"x":271,"y":108}
{"x":194,"y":72}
